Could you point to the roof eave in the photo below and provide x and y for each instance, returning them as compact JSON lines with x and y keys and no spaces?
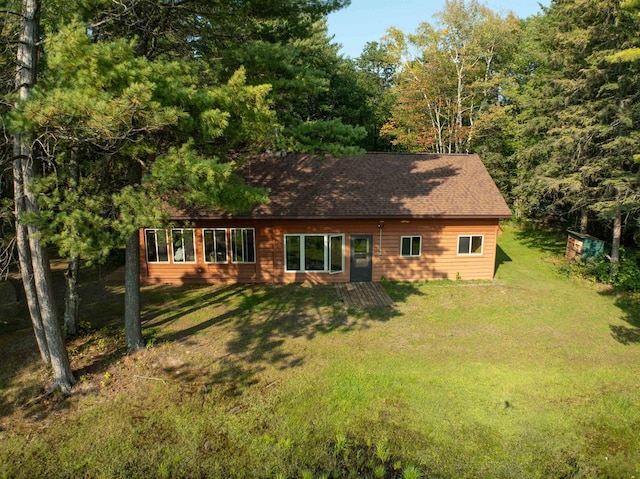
{"x":345,"y":217}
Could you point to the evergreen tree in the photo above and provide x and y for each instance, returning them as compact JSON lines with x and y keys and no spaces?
{"x":586,"y":110}
{"x":315,"y":93}
{"x":374,"y":74}
{"x":98,"y":154}
{"x":107,"y":117}
{"x":33,"y":258}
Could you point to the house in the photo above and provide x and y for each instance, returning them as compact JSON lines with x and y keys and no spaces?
{"x":405,"y":217}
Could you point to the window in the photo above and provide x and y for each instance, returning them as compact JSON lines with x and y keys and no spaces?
{"x":183,"y":246}
{"x":215,"y":245}
{"x":336,"y":253}
{"x":470,"y":244}
{"x":314,"y":253}
{"x":410,"y":245}
{"x":157,"y":246}
{"x":292,"y":253}
{"x":361,"y":245}
{"x":243,"y":245}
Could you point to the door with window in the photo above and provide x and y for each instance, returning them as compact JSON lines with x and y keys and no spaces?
{"x":361,"y":258}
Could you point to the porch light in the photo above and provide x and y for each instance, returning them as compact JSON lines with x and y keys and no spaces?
{"x":380,"y":227}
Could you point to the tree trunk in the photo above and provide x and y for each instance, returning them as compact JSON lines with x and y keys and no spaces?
{"x":62,"y":375}
{"x":24,"y":257}
{"x":615,"y":242}
{"x":72,"y":298}
{"x":132,"y":326}
{"x":26,"y":203}
{"x":25,"y":79}
{"x":584,"y":220}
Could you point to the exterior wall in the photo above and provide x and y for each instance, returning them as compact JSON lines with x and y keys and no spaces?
{"x":438,"y":259}
{"x":574,"y":248}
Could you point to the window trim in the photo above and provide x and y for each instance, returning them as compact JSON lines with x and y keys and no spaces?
{"x":327,"y":252}
{"x":193,"y":236}
{"x":226,"y":244}
{"x":286,"y":261}
{"x":255,"y":252}
{"x":411,"y":255}
{"x":146,"y":245}
{"x":469,"y":253}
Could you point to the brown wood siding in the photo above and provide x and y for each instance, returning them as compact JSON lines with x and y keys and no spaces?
{"x":574,"y":248}
{"x":439,"y":258}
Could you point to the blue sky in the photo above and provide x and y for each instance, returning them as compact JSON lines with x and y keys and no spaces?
{"x":367,"y":20}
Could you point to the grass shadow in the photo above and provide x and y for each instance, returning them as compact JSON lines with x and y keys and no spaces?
{"x":549,"y":240}
{"x":261,"y":319}
{"x":400,"y":292}
{"x":629,"y":303}
{"x":101,"y":304}
{"x":158,"y":299}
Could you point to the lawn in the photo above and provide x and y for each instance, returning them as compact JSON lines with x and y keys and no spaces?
{"x":531,"y":375}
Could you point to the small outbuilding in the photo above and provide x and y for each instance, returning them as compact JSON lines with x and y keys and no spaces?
{"x":582,"y":246}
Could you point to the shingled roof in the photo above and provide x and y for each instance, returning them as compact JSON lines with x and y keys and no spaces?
{"x":375,"y":185}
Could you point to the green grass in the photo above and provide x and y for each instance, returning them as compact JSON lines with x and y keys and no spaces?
{"x":531,"y":375}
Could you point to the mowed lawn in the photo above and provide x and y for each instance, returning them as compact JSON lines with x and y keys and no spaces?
{"x":535,"y":374}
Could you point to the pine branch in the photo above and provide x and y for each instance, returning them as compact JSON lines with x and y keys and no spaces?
{"x":10,"y":12}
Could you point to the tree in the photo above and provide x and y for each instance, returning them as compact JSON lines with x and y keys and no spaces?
{"x":375,"y":73}
{"x":75,"y":119}
{"x":205,"y":30}
{"x":452,"y":79}
{"x":584,"y":160}
{"x":33,"y":257}
{"x":105,"y":117}
{"x":309,"y":83}
{"x":170,"y":65}
{"x":629,"y":54}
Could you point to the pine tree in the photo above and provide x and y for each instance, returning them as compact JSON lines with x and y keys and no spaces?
{"x":584,"y":159}
{"x":110,"y":117}
{"x":32,"y":253}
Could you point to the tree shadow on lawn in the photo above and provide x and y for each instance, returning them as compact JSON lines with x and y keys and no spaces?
{"x":629,"y":303}
{"x":543,"y":238}
{"x":18,"y":355}
{"x":102,"y":305}
{"x":262,"y":319}
{"x":157,"y":300}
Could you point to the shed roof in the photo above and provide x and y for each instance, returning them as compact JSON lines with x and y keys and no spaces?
{"x":374,"y":185}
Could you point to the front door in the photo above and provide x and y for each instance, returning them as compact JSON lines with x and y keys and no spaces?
{"x":361,"y":258}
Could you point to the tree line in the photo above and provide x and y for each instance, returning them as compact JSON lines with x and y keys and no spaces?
{"x":114,"y":113}
{"x":549,"y":102}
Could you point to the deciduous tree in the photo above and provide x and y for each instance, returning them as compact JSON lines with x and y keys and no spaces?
{"x":448,"y":76}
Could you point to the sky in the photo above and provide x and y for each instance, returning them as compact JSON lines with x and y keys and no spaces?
{"x":368,"y":20}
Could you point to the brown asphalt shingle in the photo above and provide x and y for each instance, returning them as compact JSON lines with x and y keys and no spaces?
{"x":374,"y":185}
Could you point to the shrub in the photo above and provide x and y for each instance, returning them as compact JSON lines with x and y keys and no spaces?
{"x":626,"y":277}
